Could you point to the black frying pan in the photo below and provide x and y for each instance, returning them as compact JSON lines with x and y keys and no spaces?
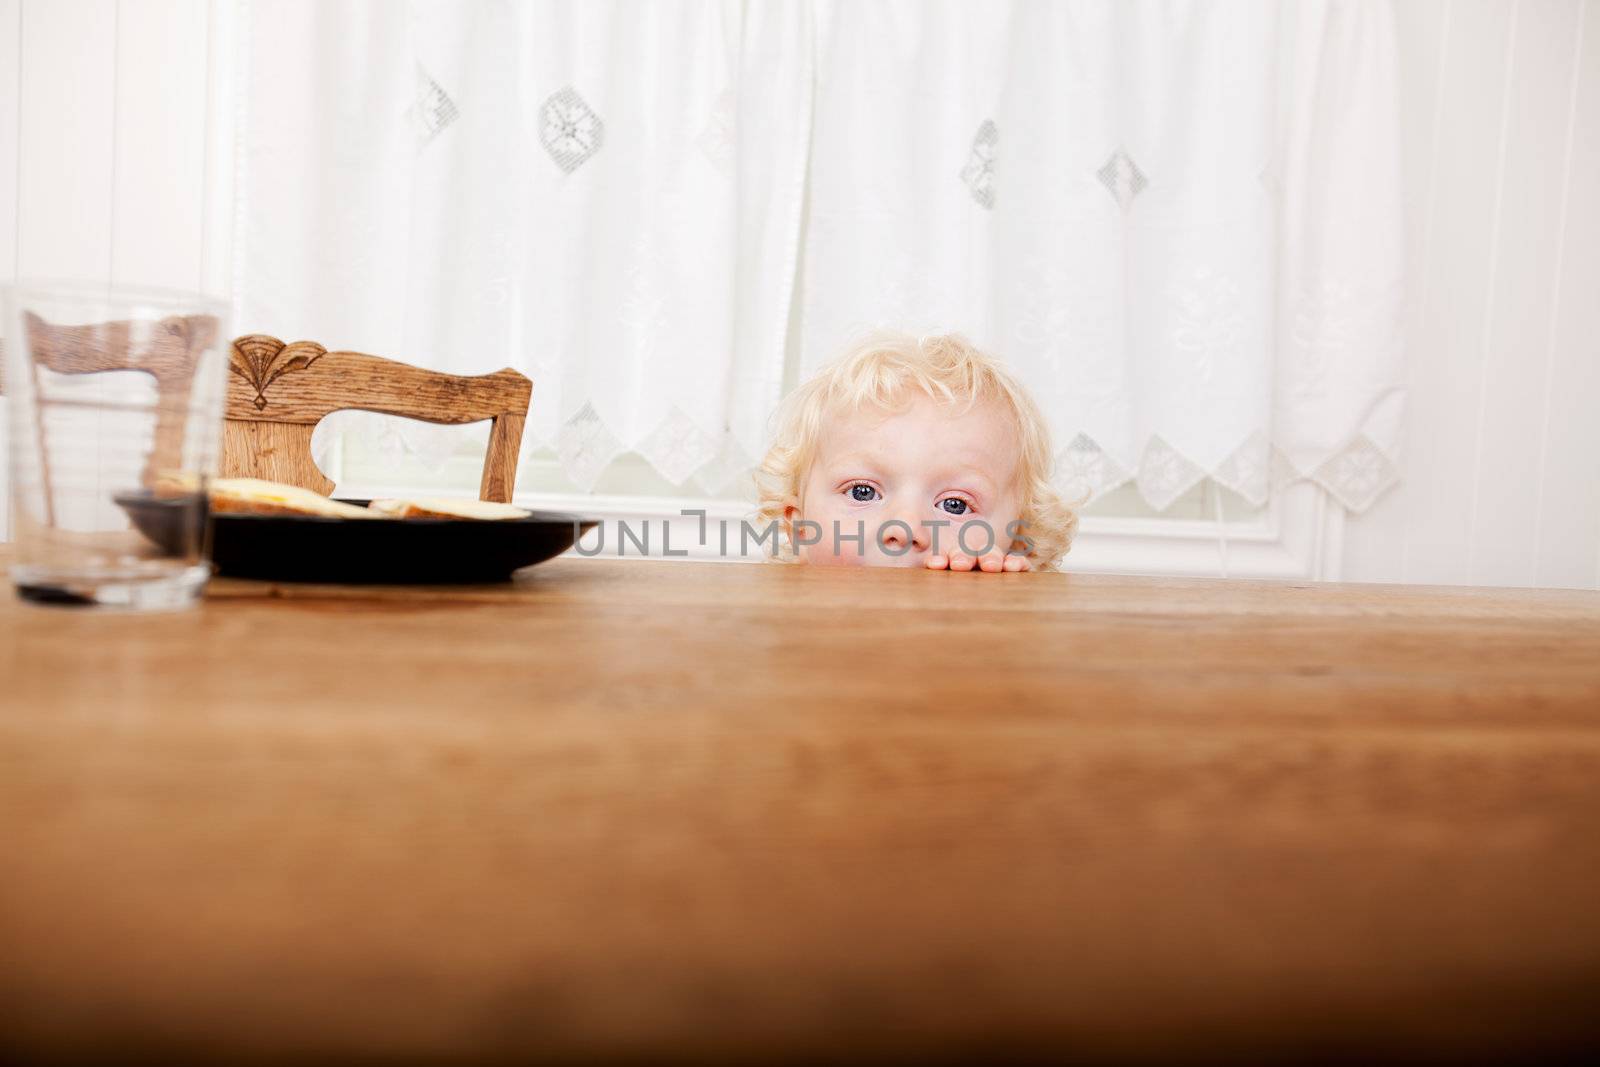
{"x":309,"y":548}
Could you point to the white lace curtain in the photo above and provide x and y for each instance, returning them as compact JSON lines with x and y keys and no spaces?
{"x":1178,"y":220}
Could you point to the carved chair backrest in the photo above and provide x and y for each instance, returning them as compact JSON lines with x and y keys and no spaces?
{"x":277,"y":393}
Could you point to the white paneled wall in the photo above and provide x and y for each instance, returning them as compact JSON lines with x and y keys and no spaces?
{"x":10,"y":123}
{"x":116,"y":124}
{"x":103,"y":147}
{"x":1502,"y":142}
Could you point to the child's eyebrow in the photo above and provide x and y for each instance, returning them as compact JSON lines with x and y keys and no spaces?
{"x":854,"y":459}
{"x":966,"y":467}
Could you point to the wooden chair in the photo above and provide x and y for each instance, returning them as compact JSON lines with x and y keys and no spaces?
{"x":277,"y":393}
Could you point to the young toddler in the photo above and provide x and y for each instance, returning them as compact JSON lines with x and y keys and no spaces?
{"x":915,"y":452}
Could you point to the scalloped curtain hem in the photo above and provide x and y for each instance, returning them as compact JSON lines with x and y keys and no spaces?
{"x":1356,"y":475}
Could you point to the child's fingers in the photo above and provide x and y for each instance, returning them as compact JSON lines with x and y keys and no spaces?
{"x":993,"y":563}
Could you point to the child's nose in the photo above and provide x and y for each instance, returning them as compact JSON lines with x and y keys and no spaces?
{"x":896,"y":536}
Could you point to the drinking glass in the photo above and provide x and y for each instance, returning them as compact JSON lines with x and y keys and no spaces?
{"x":115,"y":401}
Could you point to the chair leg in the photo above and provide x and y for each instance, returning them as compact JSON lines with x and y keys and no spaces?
{"x":500,"y":464}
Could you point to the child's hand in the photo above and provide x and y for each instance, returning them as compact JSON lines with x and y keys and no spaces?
{"x":993,"y":563}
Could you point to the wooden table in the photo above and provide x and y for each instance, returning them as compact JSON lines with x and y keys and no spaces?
{"x":725,"y":812}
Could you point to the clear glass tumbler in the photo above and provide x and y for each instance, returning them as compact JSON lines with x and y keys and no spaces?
{"x":115,"y":398}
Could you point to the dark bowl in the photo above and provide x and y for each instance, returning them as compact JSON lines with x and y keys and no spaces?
{"x":309,"y":548}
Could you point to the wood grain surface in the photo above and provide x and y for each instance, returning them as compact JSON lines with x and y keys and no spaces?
{"x":621,"y":811}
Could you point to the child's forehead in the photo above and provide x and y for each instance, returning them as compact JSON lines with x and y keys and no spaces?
{"x":985,"y":425}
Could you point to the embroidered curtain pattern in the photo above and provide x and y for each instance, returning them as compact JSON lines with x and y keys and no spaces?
{"x":1179,"y":221}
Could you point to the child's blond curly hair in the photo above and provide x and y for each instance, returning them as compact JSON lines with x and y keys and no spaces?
{"x":950,"y":369}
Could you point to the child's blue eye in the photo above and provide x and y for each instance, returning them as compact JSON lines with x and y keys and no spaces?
{"x":954,"y":505}
{"x":863,"y":493}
